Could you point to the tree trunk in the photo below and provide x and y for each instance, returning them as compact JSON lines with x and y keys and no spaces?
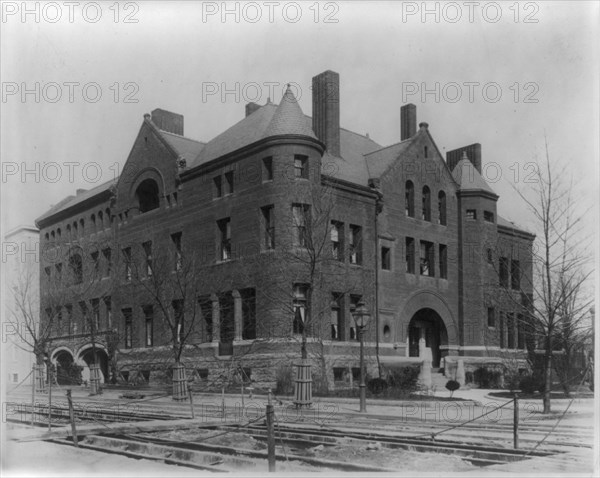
{"x":547,"y":375}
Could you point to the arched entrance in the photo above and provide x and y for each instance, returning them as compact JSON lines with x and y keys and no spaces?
{"x":426,"y":330}
{"x":86,"y":358}
{"x":67,"y":373}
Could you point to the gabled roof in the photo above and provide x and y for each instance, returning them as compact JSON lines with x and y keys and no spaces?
{"x":380,"y":160}
{"x":268,"y":120}
{"x":71,"y":201}
{"x":468,"y":178}
{"x":186,"y":147}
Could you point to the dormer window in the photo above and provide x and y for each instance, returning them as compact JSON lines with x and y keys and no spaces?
{"x":147,"y":195}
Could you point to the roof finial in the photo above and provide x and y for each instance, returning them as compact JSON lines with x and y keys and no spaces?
{"x":464,"y":156}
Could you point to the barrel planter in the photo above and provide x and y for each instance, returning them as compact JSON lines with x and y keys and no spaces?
{"x":303,"y":384}
{"x":179,"y":382}
{"x":40,"y":379}
{"x":95,"y":379}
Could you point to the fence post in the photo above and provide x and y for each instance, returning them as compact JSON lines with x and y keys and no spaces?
{"x":270,"y":435}
{"x":50,"y":398}
{"x":33,"y":385}
{"x":72,"y":418}
{"x":516,"y":422}
{"x":222,"y":402}
{"x":191,"y":400}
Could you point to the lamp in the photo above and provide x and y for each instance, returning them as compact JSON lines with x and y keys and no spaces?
{"x":361,"y":318}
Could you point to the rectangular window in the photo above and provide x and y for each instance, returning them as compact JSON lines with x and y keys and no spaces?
{"x":488,"y":216}
{"x":301,"y":220}
{"x":224,"y":227}
{"x":108,"y":309}
{"x":301,"y":167}
{"x":337,"y":327}
{"x":176,"y":239}
{"x":69,"y":324}
{"x":502,"y":330}
{"x":471,"y":214}
{"x":149,"y":321}
{"x":443,"y":261}
{"x":58,"y":271}
{"x":520,"y":332}
{"x":59,"y":321}
{"x":248,"y":314}
{"x":427,"y":264}
{"x":229,"y":182}
{"x":127,"y":260}
{"x":95,"y":314}
{"x":410,"y":255}
{"x":179,"y":316}
{"x":268,"y":227}
{"x":218,"y":187}
{"x":336,"y":235}
{"x":355,"y":244}
{"x":386,"y":259}
{"x":491,"y":317}
{"x":148,"y":257}
{"x":127,"y":316}
{"x":354,"y":300}
{"x":510,"y":326}
{"x":107,"y":253}
{"x":95,"y":263}
{"x":206,"y":311}
{"x":515,"y":275}
{"x":300,"y":307}
{"x":267,"y":169}
{"x":503,"y":272}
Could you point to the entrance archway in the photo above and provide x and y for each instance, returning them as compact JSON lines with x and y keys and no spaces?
{"x":86,"y":358}
{"x":426,"y":330}
{"x":66,"y":371}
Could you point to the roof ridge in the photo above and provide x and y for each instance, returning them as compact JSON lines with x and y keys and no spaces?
{"x":389,"y":146}
{"x":181,"y":136}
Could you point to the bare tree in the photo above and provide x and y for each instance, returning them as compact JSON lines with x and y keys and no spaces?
{"x":555,"y":314}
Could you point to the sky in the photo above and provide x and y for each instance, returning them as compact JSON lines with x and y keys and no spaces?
{"x":77,"y":80}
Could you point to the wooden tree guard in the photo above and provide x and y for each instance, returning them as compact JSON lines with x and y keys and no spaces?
{"x":95,"y":379}
{"x":180,"y":391}
{"x":303,"y":384}
{"x":40,"y":382}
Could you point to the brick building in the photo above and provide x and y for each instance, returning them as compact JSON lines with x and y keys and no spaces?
{"x":274,"y":230}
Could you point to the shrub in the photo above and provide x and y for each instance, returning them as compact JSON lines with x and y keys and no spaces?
{"x":404,"y":378}
{"x":284,"y":380}
{"x":377,"y":385}
{"x":452,"y":385}
{"x":530,"y":384}
{"x":487,"y":378}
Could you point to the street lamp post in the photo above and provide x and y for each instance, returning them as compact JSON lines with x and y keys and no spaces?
{"x":361,"y":317}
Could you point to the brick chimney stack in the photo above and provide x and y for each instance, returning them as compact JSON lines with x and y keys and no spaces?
{"x":408,"y":121}
{"x":167,"y":121}
{"x":326,"y":110}
{"x":473,"y":153}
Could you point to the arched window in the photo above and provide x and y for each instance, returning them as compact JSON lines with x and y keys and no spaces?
{"x":147,"y":195}
{"x":76,"y":265}
{"x":442,"y":208}
{"x":58,"y":233}
{"x":68,"y":232}
{"x":81,"y":227}
{"x":75,"y":230}
{"x":100,"y":220}
{"x":107,"y":217}
{"x":47,"y":236}
{"x":93,"y":223}
{"x":426,"y":204}
{"x":409,"y":199}
{"x":53,"y":235}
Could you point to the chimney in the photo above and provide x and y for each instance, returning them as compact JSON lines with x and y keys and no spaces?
{"x":473,"y":153}
{"x":251,"y":108}
{"x":326,"y":110}
{"x":408,"y":121}
{"x":167,"y":121}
